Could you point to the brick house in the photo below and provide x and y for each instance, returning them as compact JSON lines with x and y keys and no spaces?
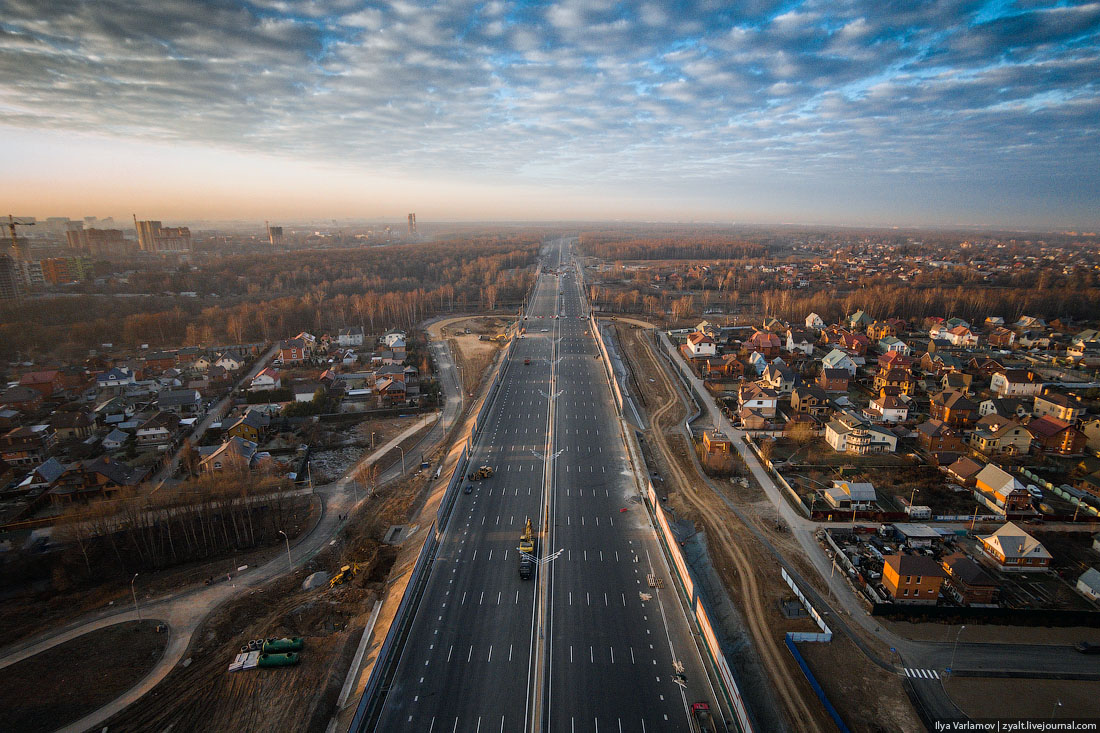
{"x":1000,"y":491}
{"x":810,"y":399}
{"x":833,"y":380}
{"x":914,"y":579}
{"x":936,"y":436}
{"x":954,"y":408}
{"x":967,"y":583}
{"x":1056,"y":436}
{"x":1014,"y":550}
{"x":46,"y":382}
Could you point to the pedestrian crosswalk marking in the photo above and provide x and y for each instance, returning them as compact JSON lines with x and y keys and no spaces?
{"x":922,"y":674}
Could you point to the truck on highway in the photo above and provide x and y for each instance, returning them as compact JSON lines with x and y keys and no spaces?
{"x":704,"y":721}
{"x":526,"y":551}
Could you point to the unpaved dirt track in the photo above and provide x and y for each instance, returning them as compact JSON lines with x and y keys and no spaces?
{"x":803,"y":711}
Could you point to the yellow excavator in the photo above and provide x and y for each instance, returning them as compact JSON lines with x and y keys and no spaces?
{"x":346,"y":573}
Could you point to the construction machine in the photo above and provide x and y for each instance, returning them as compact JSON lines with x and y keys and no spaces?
{"x":482,"y":473}
{"x":527,"y":551}
{"x":346,"y":573}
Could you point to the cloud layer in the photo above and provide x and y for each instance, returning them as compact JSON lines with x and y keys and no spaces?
{"x":652,"y":97}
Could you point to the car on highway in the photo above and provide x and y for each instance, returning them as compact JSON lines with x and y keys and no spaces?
{"x":704,"y":721}
{"x":545,"y":330}
{"x":469,"y":489}
{"x":1086,"y":647}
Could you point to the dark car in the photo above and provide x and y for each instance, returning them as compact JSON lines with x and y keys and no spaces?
{"x":469,"y":489}
{"x":1087,"y":648}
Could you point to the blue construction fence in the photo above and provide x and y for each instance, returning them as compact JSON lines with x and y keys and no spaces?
{"x":818,"y":690}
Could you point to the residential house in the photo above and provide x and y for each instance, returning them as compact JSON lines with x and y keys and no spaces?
{"x":837,"y":359}
{"x":833,"y":380}
{"x":158,"y":361}
{"x":292,"y":351}
{"x":1000,"y":491}
{"x":962,"y":336}
{"x":201,"y":363}
{"x":229,"y":362}
{"x":306,"y":391}
{"x":848,"y":496}
{"x":936,"y":436}
{"x":43,"y":476}
{"x":958,"y":381}
{"x":984,"y":367}
{"x":390,"y":392}
{"x":854,"y":343}
{"x":880,"y":330}
{"x":996,"y":435}
{"x":1088,"y":584}
{"x":235,"y":454}
{"x":757,"y":362}
{"x":75,"y":425}
{"x":97,"y":478}
{"x":765,"y":343}
{"x":800,"y":341}
{"x":115,"y":440}
{"x":887,"y":408}
{"x":1013,"y":549}
{"x":895,"y":345}
{"x":251,"y":426}
{"x":46,"y":382}
{"x":965,"y":471}
{"x":780,"y":377}
{"x":266,"y":380}
{"x":1005,"y":407}
{"x":349,"y":337}
{"x":27,"y":446}
{"x":912,"y":579}
{"x":815,"y":321}
{"x":954,"y":408}
{"x":183,"y":402}
{"x":714,"y":442}
{"x":1056,"y":436}
{"x":753,"y":396}
{"x":1016,"y":383}
{"x":938,"y":362}
{"x":1091,"y":429}
{"x":699,"y":346}
{"x":859,"y":319}
{"x":158,"y":429}
{"x":810,"y":399}
{"x":22,"y":398}
{"x":726,"y":365}
{"x":895,"y":381}
{"x":115,"y":377}
{"x":847,"y":433}
{"x":393,"y":337}
{"x":1001,"y":338}
{"x":1063,"y":407}
{"x":967,"y":583}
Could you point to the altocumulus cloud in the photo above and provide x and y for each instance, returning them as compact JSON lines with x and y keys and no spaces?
{"x":619,"y":91}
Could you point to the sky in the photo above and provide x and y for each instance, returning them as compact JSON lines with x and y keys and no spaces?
{"x":930,"y":112}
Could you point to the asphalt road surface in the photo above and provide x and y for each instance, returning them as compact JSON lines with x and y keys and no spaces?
{"x":587,"y":645}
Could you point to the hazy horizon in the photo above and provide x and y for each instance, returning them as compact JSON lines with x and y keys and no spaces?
{"x":948,"y":115}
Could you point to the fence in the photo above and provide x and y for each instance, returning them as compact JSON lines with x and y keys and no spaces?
{"x":826,"y":633}
{"x":815,"y":684}
{"x":606,"y":358}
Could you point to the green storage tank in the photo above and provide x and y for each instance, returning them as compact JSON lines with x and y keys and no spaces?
{"x":285,"y":644}
{"x":288,"y":659}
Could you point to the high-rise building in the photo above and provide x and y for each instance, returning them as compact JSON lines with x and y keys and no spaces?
{"x":152,"y":237}
{"x":275,"y":235}
{"x":11,"y":279}
{"x":100,"y":242}
{"x":412,"y":225}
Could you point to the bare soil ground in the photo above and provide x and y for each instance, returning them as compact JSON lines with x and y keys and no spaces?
{"x":474,"y":355}
{"x":992,"y":699}
{"x":750,"y":574}
{"x":65,"y":683}
{"x":205,"y":696}
{"x":848,"y":681}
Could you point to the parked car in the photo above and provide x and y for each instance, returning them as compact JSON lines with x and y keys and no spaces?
{"x":1087,"y":647}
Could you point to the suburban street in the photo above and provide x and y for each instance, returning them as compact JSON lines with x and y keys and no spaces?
{"x":586,"y":645}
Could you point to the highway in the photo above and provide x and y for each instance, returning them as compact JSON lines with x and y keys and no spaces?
{"x":587,"y":645}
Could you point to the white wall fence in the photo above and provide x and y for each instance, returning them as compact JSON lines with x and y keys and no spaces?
{"x":826,"y":633}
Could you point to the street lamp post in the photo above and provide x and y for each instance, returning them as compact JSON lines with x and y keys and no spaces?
{"x":402,"y":458}
{"x":372,"y":440}
{"x":956,"y":647}
{"x":288,"y":560}
{"x":134,"y":594}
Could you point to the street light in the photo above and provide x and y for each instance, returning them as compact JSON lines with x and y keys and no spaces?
{"x":402,"y":458}
{"x":956,"y":647}
{"x":372,"y":440}
{"x":134,"y":594}
{"x":1057,"y":704}
{"x":289,"y":561}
